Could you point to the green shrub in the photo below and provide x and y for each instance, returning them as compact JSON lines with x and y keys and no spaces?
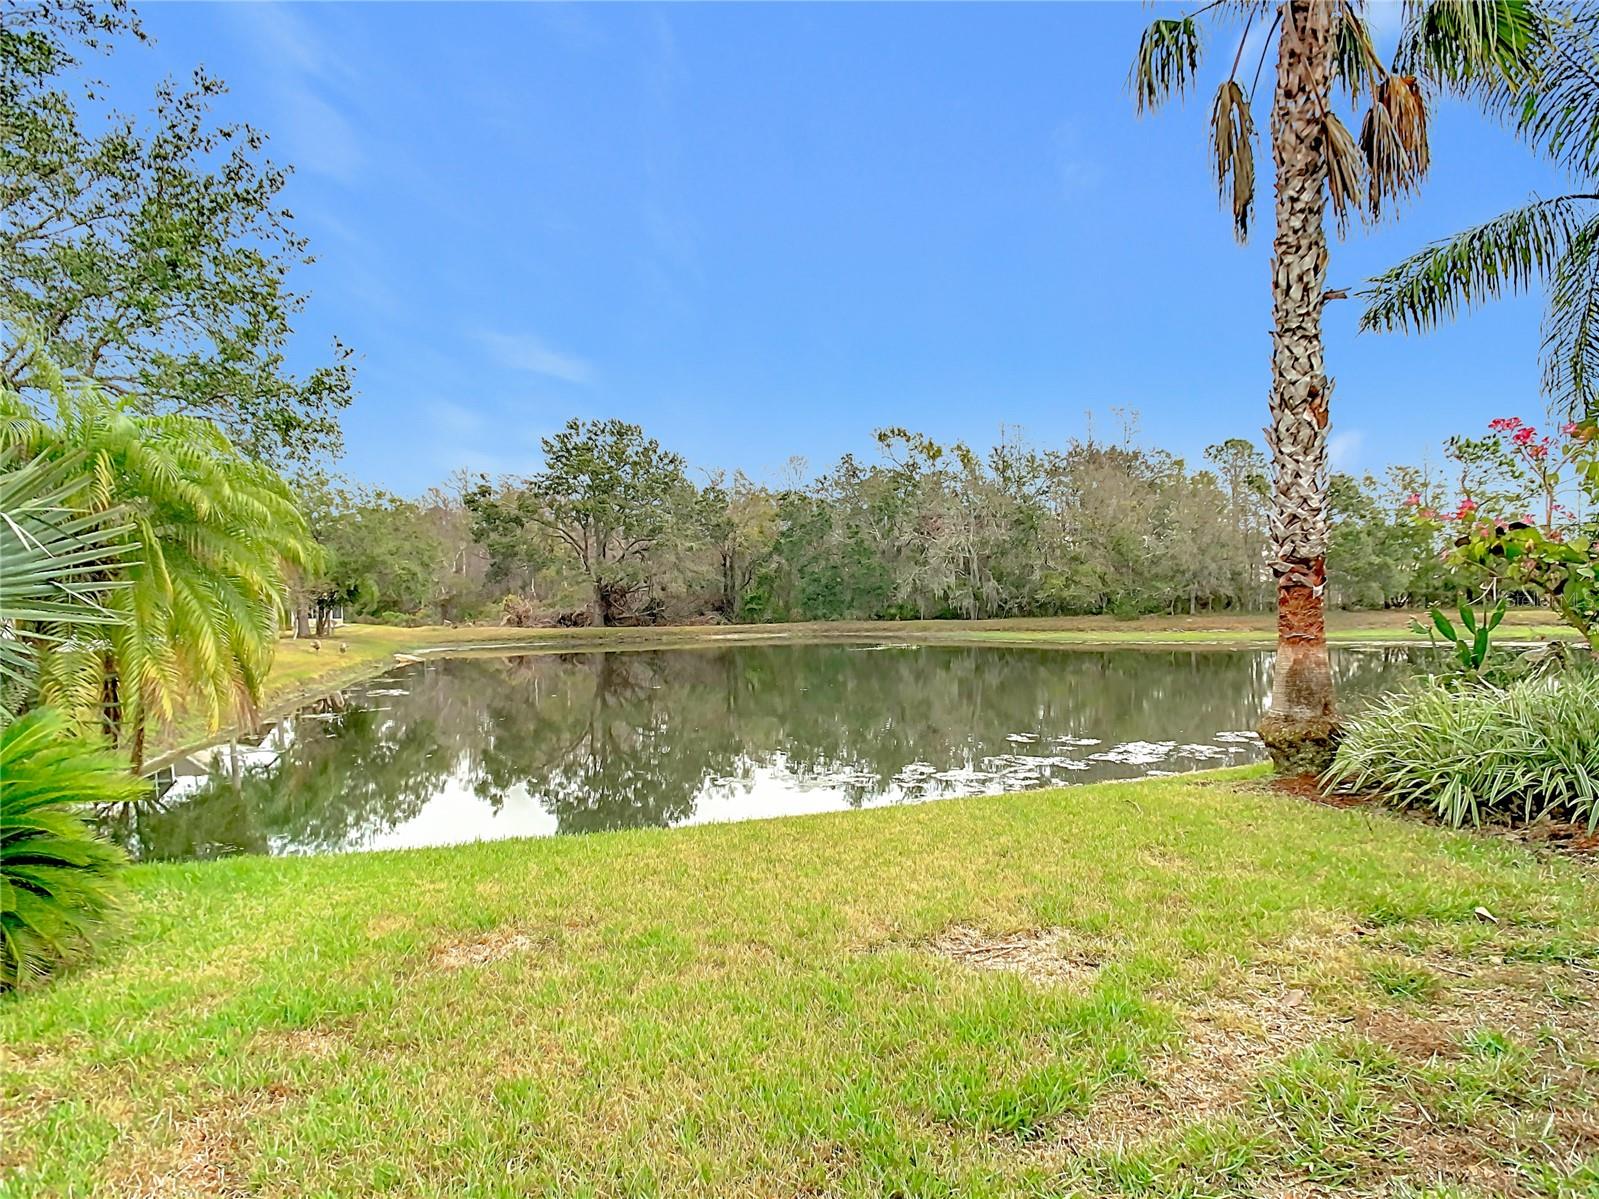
{"x":1481,"y":753}
{"x":58,"y":881}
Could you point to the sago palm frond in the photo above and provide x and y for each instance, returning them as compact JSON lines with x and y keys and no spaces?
{"x":58,"y":881}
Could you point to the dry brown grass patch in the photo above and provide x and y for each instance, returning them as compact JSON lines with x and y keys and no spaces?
{"x":1234,"y":1033}
{"x":205,"y":1157}
{"x":495,"y":946}
{"x":1208,"y":1076}
{"x":303,"y":1042}
{"x":1046,"y":956}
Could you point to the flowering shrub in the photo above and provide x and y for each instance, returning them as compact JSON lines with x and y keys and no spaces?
{"x":1528,"y":517}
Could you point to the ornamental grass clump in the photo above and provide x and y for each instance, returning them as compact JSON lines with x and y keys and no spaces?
{"x":1479,"y":755}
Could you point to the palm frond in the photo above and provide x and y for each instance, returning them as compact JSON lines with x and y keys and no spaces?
{"x":1356,"y":63}
{"x":1345,"y":169}
{"x":1571,"y":327}
{"x":1232,"y":141}
{"x":1393,"y":140}
{"x":1469,"y":45}
{"x":1168,"y":60}
{"x":56,"y":563}
{"x":58,"y":881}
{"x":217,"y":534}
{"x":1504,"y":255}
{"x":1558,"y":111}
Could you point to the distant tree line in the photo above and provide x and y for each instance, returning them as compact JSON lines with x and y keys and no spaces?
{"x":616,"y":529}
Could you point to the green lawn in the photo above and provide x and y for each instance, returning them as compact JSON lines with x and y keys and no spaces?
{"x":1176,"y":987}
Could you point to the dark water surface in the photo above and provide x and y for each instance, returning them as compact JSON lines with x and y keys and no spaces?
{"x":471,"y":748}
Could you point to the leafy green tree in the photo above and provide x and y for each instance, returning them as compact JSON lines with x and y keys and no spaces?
{"x":150,"y":255}
{"x":1317,"y":162}
{"x":1379,"y":555}
{"x":380,"y":553}
{"x":1553,"y":240}
{"x":215,"y":532}
{"x":607,"y":494}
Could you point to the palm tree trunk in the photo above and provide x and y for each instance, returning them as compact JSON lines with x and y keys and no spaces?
{"x":1301,"y":728}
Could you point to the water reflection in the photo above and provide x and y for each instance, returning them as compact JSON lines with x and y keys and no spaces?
{"x":481,"y":747}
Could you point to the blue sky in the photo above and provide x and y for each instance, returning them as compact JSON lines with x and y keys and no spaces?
{"x":765,"y":230}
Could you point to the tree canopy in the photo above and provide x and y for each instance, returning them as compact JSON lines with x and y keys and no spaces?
{"x":151,"y":254}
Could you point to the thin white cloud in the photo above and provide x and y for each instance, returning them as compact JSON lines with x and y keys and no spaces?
{"x":1343,"y":449}
{"x":315,"y":86}
{"x":321,"y":139}
{"x":524,"y":352}
{"x":453,"y":419}
{"x":281,"y":35}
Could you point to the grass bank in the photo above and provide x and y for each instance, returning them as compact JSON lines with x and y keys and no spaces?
{"x":355,"y":652}
{"x":1182,"y":986}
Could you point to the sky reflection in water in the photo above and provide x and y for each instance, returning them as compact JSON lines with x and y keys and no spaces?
{"x":483,"y":747}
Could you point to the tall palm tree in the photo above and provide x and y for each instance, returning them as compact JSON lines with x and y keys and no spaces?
{"x":198,"y":618}
{"x":1319,"y":163}
{"x":1553,"y":240}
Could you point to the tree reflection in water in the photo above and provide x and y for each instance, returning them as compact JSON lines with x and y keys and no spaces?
{"x":479,"y":746}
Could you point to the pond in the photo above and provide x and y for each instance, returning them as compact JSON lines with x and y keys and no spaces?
{"x":480,"y":747}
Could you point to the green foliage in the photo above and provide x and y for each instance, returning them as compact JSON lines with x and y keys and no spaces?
{"x":214,"y":531}
{"x":931,"y":530}
{"x":380,"y":553}
{"x":58,"y":881}
{"x":1567,"y":571}
{"x":1522,"y":525}
{"x":1378,"y":555}
{"x":151,"y":255}
{"x":607,"y":495}
{"x":1471,"y":642}
{"x":55,"y":566}
{"x":1541,"y":81}
{"x":1481,"y":754}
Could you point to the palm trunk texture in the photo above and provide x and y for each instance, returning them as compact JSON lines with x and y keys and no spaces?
{"x":1301,"y":728}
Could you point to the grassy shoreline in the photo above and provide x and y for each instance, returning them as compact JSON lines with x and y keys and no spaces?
{"x":1182,"y":985}
{"x":300,"y":673}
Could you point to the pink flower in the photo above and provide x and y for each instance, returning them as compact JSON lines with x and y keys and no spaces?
{"x":1504,"y":424}
{"x":1570,"y":429}
{"x":1467,"y":507}
{"x":1523,"y":435}
{"x":1413,"y":499}
{"x":1538,"y":451}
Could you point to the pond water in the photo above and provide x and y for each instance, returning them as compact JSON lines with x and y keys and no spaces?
{"x":480,"y":747}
